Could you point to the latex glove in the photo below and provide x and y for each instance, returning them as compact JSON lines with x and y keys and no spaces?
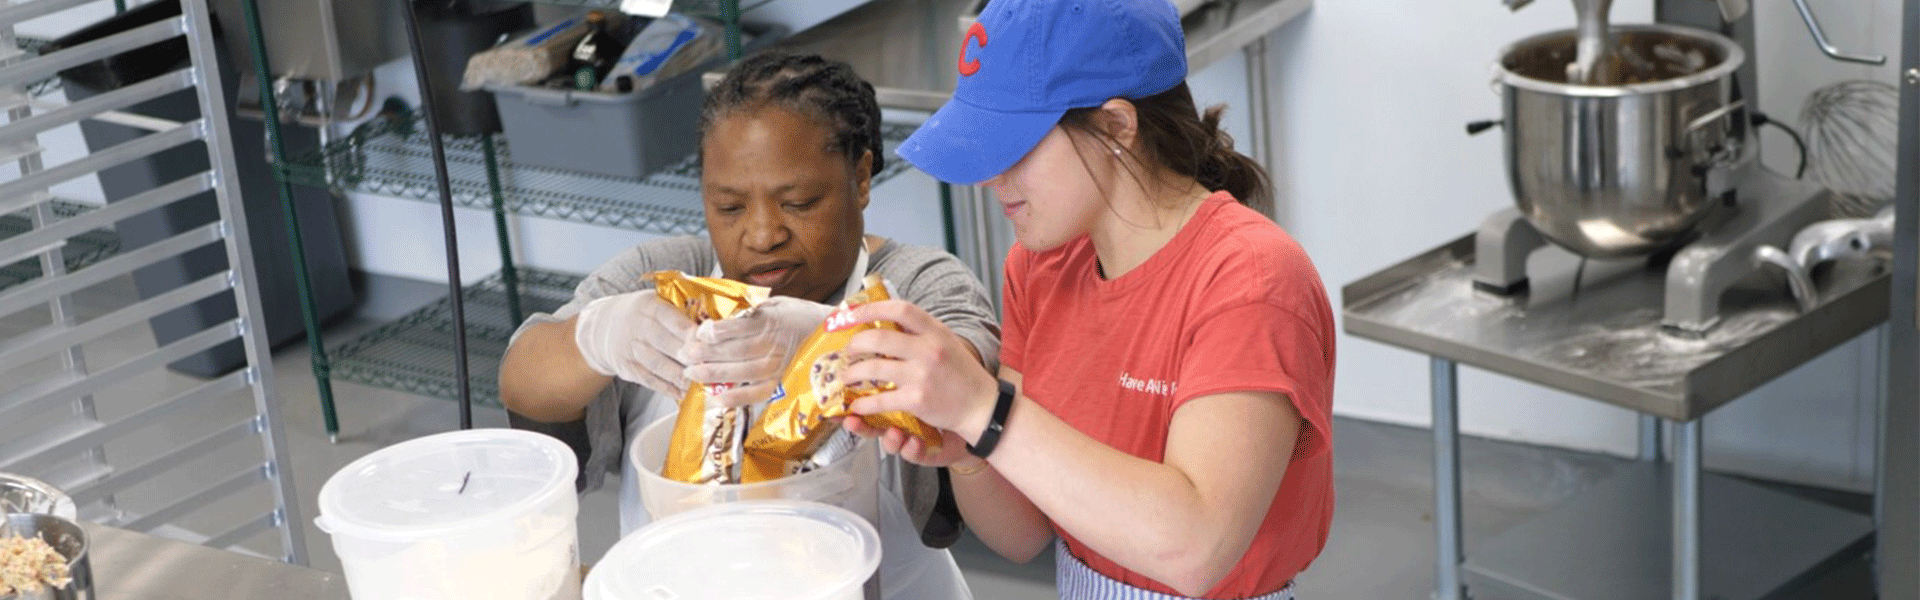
{"x":635,"y":336}
{"x":751,"y":348}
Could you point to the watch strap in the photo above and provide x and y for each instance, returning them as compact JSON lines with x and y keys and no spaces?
{"x":990,"y":436}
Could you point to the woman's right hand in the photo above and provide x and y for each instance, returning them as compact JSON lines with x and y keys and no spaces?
{"x":635,"y":336}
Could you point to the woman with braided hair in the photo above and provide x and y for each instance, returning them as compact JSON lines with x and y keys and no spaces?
{"x":789,"y":147}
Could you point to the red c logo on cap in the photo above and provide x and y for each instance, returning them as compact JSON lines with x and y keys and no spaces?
{"x":969,"y":67}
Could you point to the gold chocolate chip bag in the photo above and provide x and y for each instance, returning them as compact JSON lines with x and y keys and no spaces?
{"x":800,"y":417}
{"x":708,"y":443}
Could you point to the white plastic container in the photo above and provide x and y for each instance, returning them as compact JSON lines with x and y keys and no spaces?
{"x":470,"y":515}
{"x":751,"y":550}
{"x":851,"y":483}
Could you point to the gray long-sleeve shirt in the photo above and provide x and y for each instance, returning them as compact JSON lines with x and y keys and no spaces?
{"x":928,"y":277}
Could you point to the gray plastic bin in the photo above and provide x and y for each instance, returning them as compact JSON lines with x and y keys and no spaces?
{"x":621,"y":135}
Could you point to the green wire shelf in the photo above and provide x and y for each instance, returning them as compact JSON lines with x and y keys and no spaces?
{"x":394,"y":160}
{"x":414,"y":354}
{"x":80,"y":251}
{"x":32,"y":46}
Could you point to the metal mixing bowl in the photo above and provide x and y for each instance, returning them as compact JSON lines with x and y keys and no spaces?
{"x":21,"y":494}
{"x":1619,"y":170}
{"x":68,"y":539}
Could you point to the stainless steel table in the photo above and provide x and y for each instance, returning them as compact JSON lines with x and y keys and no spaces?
{"x":1606,"y":343}
{"x":136,"y":566}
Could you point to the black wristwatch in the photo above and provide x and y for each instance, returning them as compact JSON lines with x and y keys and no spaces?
{"x":990,"y":436}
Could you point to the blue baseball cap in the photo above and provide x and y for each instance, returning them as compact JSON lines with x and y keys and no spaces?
{"x":1024,"y":63}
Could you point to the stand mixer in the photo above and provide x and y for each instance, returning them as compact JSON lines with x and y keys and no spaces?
{"x":1641,"y":160}
{"x":1633,"y":142}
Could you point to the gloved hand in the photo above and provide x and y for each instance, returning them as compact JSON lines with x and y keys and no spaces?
{"x":635,"y":336}
{"x":751,"y":348}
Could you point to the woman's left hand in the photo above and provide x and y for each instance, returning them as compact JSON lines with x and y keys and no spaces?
{"x":935,"y":374}
{"x":750,"y":349}
{"x":952,"y":449}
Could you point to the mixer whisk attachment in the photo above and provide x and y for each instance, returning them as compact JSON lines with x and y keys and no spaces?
{"x":1851,"y":130}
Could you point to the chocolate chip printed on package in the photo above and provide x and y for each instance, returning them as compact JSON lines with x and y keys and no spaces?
{"x":804,"y":413}
{"x":707,"y":445}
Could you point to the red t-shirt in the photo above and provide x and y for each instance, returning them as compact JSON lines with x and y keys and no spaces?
{"x":1231,"y":303}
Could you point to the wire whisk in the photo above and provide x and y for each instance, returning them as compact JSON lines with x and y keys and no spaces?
{"x":1851,"y":130}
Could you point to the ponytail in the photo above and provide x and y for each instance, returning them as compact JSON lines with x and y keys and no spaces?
{"x":1222,"y":168}
{"x":1174,"y":134}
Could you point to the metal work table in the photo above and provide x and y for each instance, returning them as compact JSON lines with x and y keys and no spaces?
{"x":1605,"y":342}
{"x":128,"y":565}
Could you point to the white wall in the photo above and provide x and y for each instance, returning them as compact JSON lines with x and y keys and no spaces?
{"x":1374,"y":168}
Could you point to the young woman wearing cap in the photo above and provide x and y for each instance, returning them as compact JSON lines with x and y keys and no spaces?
{"x":1165,"y":389}
{"x":790,"y":145}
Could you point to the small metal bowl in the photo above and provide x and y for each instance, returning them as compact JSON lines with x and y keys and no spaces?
{"x":68,"y":539}
{"x":21,"y":494}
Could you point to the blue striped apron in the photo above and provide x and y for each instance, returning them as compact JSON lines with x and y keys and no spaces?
{"x":1077,"y":581}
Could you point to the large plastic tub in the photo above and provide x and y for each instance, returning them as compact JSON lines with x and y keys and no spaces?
{"x":607,"y":133}
{"x":622,"y":135}
{"x":852,"y":483}
{"x":483,"y":514}
{"x":755,"y":550}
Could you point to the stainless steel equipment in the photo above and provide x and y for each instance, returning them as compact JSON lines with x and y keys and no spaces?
{"x":22,"y":494}
{"x":1610,"y":346}
{"x":1897,"y":468}
{"x":67,"y":538}
{"x":1850,"y":128}
{"x":1606,"y":177}
{"x":137,"y":565}
{"x":1828,"y":241}
{"x":1595,"y":41}
{"x":66,"y":402}
{"x":319,"y":40}
{"x":1621,"y":170}
{"x":1768,"y":211}
{"x":1669,"y":333}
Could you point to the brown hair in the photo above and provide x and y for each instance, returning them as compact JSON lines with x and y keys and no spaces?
{"x":1174,"y":134}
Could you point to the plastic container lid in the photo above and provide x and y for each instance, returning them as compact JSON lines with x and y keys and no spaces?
{"x":446,"y":483}
{"x":749,"y":550}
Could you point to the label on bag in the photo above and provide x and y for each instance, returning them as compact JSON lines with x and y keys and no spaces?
{"x":646,"y":8}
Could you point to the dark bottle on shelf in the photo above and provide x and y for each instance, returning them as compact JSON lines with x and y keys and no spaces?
{"x":596,"y":53}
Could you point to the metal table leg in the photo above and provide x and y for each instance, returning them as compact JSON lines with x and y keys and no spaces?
{"x":1686,"y":511}
{"x":1650,"y":434}
{"x":1446,"y":481}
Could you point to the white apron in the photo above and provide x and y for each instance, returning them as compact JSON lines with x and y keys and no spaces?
{"x":908,"y":569}
{"x":1077,"y":581}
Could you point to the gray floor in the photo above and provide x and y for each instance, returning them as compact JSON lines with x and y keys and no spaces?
{"x":1380,"y":547}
